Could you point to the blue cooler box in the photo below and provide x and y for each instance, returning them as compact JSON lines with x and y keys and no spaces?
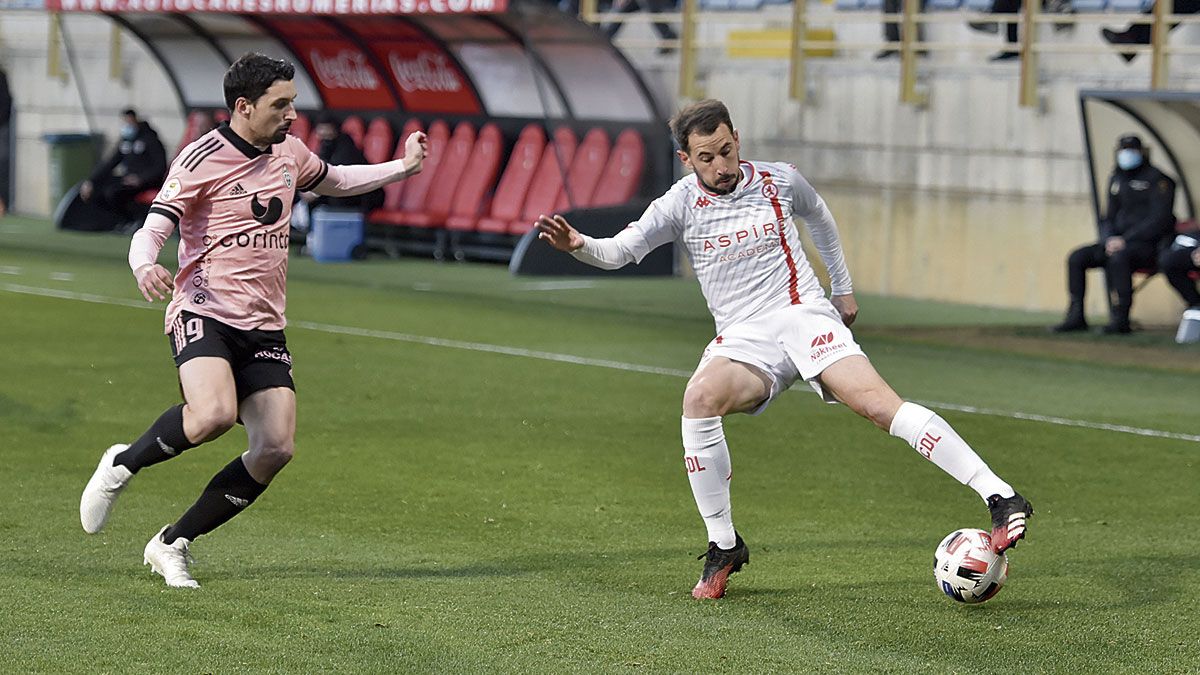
{"x":334,"y":234}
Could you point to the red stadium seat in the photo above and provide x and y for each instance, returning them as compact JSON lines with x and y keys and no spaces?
{"x":301,"y":127}
{"x":449,"y":172}
{"x":220,"y":115}
{"x":416,"y":188}
{"x":623,"y":174}
{"x":393,"y":192}
{"x":378,"y":143}
{"x":191,"y":128}
{"x":477,"y":179}
{"x":145,"y":197}
{"x":547,"y":182}
{"x":353,"y":127}
{"x":514,"y":184}
{"x":585,"y":172}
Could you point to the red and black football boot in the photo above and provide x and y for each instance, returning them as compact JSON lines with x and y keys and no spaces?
{"x":718,"y":565}
{"x":1008,"y":520}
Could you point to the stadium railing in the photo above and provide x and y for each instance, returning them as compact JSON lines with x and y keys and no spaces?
{"x":803,"y":42}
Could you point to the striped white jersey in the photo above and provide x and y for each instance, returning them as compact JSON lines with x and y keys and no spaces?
{"x":744,"y":247}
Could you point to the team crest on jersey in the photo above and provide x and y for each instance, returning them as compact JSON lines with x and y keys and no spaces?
{"x":170,"y":190}
{"x":287,"y":178}
{"x":770,"y":191}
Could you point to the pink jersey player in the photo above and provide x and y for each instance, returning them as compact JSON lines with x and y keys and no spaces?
{"x":230,"y":193}
{"x":735,"y":221}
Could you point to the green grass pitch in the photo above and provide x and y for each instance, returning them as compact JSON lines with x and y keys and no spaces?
{"x":461,"y":503}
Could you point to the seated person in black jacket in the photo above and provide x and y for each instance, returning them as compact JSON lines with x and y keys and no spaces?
{"x":1179,"y":260}
{"x":1139,"y":221}
{"x":337,"y":149}
{"x":138,"y":163}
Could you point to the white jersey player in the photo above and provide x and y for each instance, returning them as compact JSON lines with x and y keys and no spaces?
{"x":774,"y":324}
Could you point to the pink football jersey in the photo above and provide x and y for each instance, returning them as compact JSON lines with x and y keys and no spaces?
{"x":233,"y":203}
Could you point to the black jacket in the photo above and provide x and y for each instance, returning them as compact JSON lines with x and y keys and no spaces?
{"x":143,"y":156}
{"x":1140,"y":206}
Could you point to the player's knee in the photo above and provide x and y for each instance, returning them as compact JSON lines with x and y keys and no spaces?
{"x":213,"y":418}
{"x":879,"y":406}
{"x":277,"y":455}
{"x":702,"y":401}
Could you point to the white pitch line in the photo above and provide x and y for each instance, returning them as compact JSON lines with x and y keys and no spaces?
{"x":555,"y":285}
{"x":598,"y":363}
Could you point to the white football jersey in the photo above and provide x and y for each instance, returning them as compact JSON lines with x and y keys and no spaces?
{"x":745,"y":247}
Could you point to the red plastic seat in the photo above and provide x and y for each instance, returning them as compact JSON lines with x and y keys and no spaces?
{"x":378,"y":142}
{"x":433,"y":212}
{"x":547,"y":182}
{"x":623,"y":173}
{"x":585,"y":172}
{"x":146,"y":197}
{"x":301,"y":127}
{"x":353,"y":127}
{"x":416,"y":188}
{"x":393,"y":192}
{"x":476,"y":181}
{"x":220,"y":115}
{"x":513,"y":186}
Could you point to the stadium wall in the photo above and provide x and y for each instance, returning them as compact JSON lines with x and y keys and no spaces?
{"x":45,"y":104}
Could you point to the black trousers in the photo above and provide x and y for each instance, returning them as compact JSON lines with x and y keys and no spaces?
{"x":115,"y":197}
{"x":891,"y":29}
{"x":1175,"y":263}
{"x":1008,"y":7}
{"x":1118,"y":273}
{"x":1141,"y":32}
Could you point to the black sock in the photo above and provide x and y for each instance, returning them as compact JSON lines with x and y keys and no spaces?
{"x":227,"y":494}
{"x":162,"y":441}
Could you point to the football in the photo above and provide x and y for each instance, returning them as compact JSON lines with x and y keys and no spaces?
{"x":965,"y":567}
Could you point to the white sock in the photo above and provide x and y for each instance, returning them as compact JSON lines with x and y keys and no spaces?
{"x":931,"y":436}
{"x":707,"y":459}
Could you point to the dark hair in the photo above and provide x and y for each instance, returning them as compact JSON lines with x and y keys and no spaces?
{"x":250,"y":76}
{"x":129,"y":112}
{"x":703,"y":117}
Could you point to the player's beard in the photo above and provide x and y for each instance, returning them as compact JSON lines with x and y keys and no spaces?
{"x":280,"y":134}
{"x":728,"y":187}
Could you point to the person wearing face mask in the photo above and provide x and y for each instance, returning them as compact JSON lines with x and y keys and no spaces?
{"x":138,"y":163}
{"x":1139,"y":220}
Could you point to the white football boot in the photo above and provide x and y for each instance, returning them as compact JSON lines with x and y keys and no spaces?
{"x":170,"y":561}
{"x":102,"y":490}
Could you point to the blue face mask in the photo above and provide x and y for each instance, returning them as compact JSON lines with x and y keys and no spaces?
{"x":1129,"y":159}
{"x":128,"y":131}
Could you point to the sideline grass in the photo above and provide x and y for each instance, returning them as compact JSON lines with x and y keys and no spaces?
{"x":457,"y":511}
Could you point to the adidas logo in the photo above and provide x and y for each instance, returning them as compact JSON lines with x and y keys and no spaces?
{"x":238,"y":501}
{"x":237,"y":190}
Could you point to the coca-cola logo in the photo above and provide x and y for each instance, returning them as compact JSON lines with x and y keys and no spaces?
{"x":347,"y":70}
{"x":428,"y":71}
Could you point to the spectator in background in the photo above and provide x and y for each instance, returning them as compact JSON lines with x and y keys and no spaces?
{"x":664,"y":30}
{"x":1140,"y":33}
{"x":1010,"y":29}
{"x":1139,"y":220}
{"x":1179,"y":260}
{"x":891,"y":29}
{"x":337,"y":149}
{"x":139,"y":162}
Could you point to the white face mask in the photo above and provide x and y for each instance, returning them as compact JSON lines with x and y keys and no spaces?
{"x":1129,"y":158}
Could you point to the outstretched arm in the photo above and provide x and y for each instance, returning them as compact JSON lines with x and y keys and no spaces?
{"x":357,"y":179}
{"x":607,"y":254}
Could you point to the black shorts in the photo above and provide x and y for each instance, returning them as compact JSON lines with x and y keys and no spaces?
{"x":259,"y":358}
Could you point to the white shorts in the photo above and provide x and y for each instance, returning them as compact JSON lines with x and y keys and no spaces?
{"x":796,"y":342}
